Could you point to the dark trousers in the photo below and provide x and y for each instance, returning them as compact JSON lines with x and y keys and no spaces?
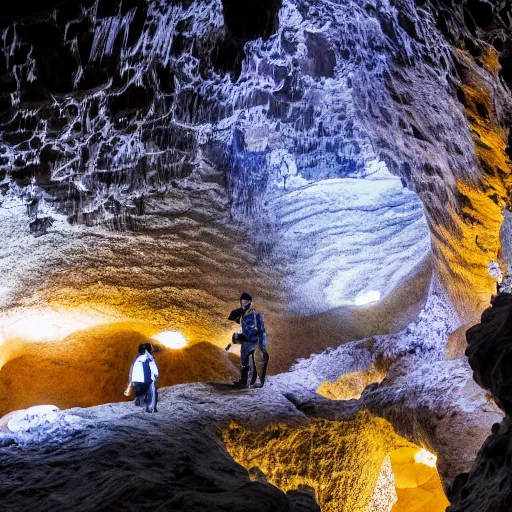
{"x":246,"y":352}
{"x":248,"y":363}
{"x":146,"y":394}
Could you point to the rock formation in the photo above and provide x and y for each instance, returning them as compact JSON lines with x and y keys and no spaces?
{"x":488,"y":484}
{"x":348,"y":163}
{"x":424,"y":399}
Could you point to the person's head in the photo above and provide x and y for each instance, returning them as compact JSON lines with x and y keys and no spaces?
{"x":245,"y":300}
{"x":142,"y":348}
{"x":149,"y":347}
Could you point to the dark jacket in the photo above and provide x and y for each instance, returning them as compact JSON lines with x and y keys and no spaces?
{"x":253,"y":327}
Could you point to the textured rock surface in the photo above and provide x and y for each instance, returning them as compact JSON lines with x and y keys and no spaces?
{"x":346,"y":242}
{"x":145,"y":94}
{"x":151,"y":123}
{"x":489,"y":350}
{"x":488,"y":484}
{"x":431,"y":401}
{"x":356,"y":452}
{"x":227,"y":142}
{"x":184,"y":271}
{"x":427,"y":400}
{"x":117,"y":458}
{"x":189,"y":150}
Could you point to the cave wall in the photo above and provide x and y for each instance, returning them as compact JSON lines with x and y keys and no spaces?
{"x":487,"y":485}
{"x":107,"y":104}
{"x":185,"y":149}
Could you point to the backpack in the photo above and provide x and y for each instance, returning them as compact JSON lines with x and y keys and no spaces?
{"x":147,"y":370}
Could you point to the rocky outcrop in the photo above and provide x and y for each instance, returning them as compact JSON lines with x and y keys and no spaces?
{"x":487,"y":486}
{"x":489,"y":350}
{"x":115,"y":457}
{"x":424,"y":399}
{"x":429,"y":400}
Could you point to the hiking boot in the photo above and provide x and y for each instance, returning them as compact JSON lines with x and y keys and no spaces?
{"x":242,"y":382}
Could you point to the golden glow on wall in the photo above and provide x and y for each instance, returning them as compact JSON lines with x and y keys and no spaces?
{"x":347,"y":463}
{"x":417,"y":484}
{"x":48,"y":324}
{"x":465,"y":249}
{"x":42,"y":326}
{"x":92,"y":366}
{"x":349,"y":386}
{"x":171,"y":339}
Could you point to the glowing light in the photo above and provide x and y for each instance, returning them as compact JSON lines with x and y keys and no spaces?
{"x":38,"y":327}
{"x":425,"y":457}
{"x":171,"y":339}
{"x":367,"y":297}
{"x":47,"y":324}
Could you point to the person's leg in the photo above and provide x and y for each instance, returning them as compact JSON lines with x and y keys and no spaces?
{"x":263,"y":371}
{"x":260,"y":362}
{"x":151,"y":398}
{"x":140,"y":391}
{"x":245,"y":353}
{"x":254,"y":374}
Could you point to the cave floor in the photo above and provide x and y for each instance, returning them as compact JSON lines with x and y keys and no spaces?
{"x":118,"y":457}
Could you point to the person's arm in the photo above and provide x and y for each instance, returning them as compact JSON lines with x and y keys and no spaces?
{"x":129,"y":385}
{"x":262,"y":334}
{"x":236,"y":315}
{"x":154,"y":368}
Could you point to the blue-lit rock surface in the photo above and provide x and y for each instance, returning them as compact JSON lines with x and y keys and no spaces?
{"x":345,"y":241}
{"x":110,"y":106}
{"x":338,"y":160}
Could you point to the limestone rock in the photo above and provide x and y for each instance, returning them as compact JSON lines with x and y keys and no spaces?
{"x":487,"y":485}
{"x":33,"y":417}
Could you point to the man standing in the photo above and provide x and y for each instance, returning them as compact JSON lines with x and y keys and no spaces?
{"x":252,"y":337}
{"x":143,"y":375}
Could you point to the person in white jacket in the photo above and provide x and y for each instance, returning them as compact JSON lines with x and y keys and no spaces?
{"x":143,"y":375}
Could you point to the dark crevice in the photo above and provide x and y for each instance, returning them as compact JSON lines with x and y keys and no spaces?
{"x":506,"y":63}
{"x":481,"y":12}
{"x":244,"y":21}
{"x":251,"y":19}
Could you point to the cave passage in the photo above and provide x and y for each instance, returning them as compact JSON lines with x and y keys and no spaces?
{"x":348,"y":466}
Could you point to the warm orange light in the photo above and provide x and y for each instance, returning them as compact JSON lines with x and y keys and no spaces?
{"x":38,"y":327}
{"x":47,"y":324}
{"x":425,"y":457}
{"x":355,"y":465}
{"x":171,"y":339}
